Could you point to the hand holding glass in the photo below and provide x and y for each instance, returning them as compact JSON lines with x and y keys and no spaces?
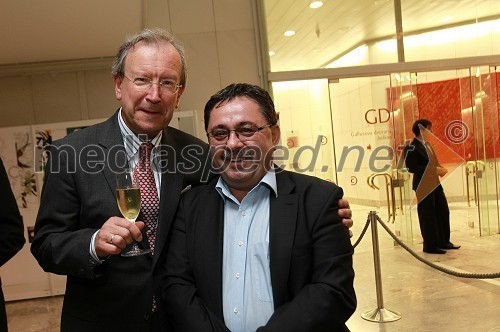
{"x":128,"y":198}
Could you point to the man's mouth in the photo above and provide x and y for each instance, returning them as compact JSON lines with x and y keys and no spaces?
{"x":150,"y":111}
{"x":238,"y":156}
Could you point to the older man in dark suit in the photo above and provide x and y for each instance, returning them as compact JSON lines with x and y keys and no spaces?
{"x":79,"y":230}
{"x":11,"y":233}
{"x":258,"y":248}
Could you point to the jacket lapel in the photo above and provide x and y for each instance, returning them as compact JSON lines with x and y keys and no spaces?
{"x":213,"y":241}
{"x":112,"y":143}
{"x":282,"y":225}
{"x":171,"y":187}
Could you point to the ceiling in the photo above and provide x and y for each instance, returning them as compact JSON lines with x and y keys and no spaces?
{"x":324,"y":34}
{"x":53,"y":30}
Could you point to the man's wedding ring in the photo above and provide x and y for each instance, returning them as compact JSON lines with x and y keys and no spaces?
{"x":112,"y":237}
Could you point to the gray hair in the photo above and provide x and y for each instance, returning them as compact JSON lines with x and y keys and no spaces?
{"x":149,"y":36}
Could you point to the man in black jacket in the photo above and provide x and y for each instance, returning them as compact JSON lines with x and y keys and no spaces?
{"x":258,"y":248}
{"x":432,"y":207}
{"x":11,"y":232}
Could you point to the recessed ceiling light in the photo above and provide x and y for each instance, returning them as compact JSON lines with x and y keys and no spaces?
{"x":316,"y":4}
{"x":289,"y":33}
{"x":271,"y":53}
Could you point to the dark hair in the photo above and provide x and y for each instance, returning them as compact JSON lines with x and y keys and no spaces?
{"x":148,"y":36}
{"x":254,"y":92}
{"x":420,"y":122}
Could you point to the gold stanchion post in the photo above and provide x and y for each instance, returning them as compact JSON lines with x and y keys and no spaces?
{"x":379,"y":314}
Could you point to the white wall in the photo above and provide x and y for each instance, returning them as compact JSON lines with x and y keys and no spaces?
{"x":221,"y":45}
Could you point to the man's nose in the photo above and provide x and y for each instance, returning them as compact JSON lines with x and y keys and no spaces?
{"x":233,"y":139}
{"x":154,"y":93}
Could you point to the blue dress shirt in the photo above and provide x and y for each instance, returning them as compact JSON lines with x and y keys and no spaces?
{"x":247,"y":295}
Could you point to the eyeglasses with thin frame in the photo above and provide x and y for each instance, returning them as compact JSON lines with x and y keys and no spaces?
{"x":243,"y":132}
{"x":145,"y":83}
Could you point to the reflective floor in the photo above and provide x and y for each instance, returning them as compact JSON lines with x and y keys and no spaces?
{"x":428,"y":299}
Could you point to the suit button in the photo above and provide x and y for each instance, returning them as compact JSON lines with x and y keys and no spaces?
{"x":147,"y":315}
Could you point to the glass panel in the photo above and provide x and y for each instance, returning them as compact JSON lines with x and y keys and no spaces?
{"x":485,"y":116}
{"x":403,"y":105}
{"x":306,"y":130}
{"x":363,"y":123}
{"x":463,"y":107}
{"x":495,"y":125}
{"x":467,"y":134}
{"x":444,"y":98}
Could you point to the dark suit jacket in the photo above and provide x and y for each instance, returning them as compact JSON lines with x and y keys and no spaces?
{"x":11,"y":222}
{"x":78,"y":197}
{"x":310,"y":259}
{"x":422,"y":166}
{"x":11,"y":232}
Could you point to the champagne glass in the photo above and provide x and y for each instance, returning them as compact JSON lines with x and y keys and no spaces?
{"x":128,"y":198}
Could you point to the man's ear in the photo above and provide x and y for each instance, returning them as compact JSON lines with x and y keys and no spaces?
{"x":276,"y":132}
{"x":179,"y":94}
{"x":118,"y":87}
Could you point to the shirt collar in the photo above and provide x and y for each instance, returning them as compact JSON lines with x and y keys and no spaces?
{"x":269,"y":180}
{"x":131,"y":141}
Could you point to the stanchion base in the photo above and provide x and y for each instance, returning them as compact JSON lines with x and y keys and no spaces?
{"x":381,"y":315}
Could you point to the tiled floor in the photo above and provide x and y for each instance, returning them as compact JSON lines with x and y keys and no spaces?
{"x":37,"y":315}
{"x":428,"y":300}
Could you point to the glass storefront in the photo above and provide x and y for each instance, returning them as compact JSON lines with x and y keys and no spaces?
{"x":352,"y":131}
{"x":350,"y":78}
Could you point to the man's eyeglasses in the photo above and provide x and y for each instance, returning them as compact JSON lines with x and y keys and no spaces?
{"x":145,"y":83}
{"x":243,"y":133}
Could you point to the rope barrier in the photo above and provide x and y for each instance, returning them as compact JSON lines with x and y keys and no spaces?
{"x":423,"y":260}
{"x":362,"y":232}
{"x":433,"y":265}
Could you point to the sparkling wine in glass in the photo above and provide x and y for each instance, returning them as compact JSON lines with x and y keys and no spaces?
{"x":128,"y":198}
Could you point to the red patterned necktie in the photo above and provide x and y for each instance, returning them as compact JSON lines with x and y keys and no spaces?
{"x":149,"y":195}
{"x":150,"y":202}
